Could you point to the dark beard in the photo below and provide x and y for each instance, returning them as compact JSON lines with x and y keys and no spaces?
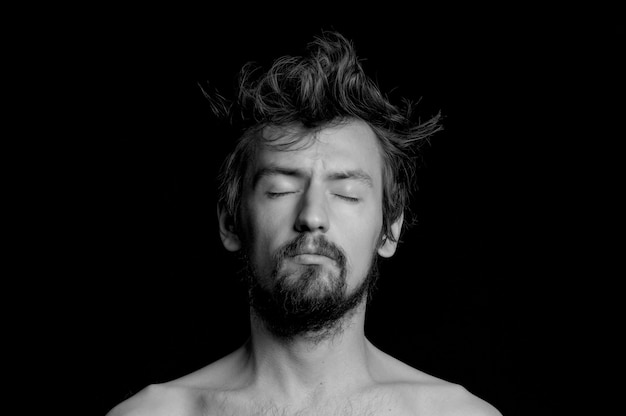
{"x":310,"y":304}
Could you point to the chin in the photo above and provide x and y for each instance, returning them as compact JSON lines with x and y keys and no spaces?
{"x":312,"y":281}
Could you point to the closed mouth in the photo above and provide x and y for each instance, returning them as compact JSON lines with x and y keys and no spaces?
{"x":314,"y":253}
{"x":313,"y":259}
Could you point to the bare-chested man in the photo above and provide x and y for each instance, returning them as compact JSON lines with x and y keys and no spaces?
{"x":314,"y":191}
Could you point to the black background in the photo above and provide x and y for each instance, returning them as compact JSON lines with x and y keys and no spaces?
{"x":490,"y":289}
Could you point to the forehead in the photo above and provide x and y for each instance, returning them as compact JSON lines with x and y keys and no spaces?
{"x":350,"y":145}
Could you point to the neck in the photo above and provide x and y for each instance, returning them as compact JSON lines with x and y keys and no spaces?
{"x":309,"y":364}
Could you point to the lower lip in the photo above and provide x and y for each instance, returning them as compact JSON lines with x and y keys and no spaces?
{"x":312,"y":259}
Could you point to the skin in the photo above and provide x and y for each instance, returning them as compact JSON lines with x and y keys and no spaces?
{"x":342,"y":375}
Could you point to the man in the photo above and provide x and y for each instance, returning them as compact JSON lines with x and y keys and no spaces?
{"x":314,"y":191}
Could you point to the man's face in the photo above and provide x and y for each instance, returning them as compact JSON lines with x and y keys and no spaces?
{"x":311,"y":215}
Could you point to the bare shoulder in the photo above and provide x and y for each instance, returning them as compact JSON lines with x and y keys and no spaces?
{"x":158,"y":400}
{"x":429,"y":395}
{"x":189,"y":395}
{"x":448,"y":399}
{"x":433,"y":396}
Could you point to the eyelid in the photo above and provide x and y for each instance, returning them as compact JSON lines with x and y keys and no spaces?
{"x":347,"y":198}
{"x":278,"y":194}
{"x":273,"y":195}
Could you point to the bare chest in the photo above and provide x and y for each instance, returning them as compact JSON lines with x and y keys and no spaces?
{"x":364,"y":404}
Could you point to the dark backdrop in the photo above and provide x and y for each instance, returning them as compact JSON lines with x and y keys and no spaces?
{"x":481,"y":291}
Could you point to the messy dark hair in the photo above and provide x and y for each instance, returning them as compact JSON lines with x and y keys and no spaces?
{"x":326,"y":87}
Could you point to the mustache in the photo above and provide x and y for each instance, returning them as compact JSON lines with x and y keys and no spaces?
{"x":304,"y":244}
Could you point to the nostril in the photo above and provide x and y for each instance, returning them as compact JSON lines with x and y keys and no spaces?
{"x":312,"y":221}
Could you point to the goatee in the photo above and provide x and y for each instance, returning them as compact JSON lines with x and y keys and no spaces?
{"x":310,"y":301}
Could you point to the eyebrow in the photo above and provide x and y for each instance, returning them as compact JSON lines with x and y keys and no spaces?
{"x":352,"y":174}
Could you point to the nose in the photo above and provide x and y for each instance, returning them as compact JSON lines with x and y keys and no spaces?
{"x":312,"y":213}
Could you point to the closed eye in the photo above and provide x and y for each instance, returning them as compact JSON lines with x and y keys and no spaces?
{"x":347,"y":198}
{"x":274,"y":195}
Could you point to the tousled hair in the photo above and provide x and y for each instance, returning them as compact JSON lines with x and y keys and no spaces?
{"x":323,"y":88}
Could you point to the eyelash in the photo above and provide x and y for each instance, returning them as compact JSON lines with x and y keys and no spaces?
{"x":274,"y":195}
{"x":347,"y":198}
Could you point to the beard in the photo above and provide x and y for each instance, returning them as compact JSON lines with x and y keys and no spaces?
{"x":306,"y":300}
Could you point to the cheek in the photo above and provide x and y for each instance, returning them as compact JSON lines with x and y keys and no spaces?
{"x":362,"y":235}
{"x":263,"y":232}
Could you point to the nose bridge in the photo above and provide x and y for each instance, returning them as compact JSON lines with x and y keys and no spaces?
{"x":313,"y":210}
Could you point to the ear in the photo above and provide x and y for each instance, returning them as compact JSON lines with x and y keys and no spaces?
{"x":388,"y":247}
{"x":229,"y":237}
